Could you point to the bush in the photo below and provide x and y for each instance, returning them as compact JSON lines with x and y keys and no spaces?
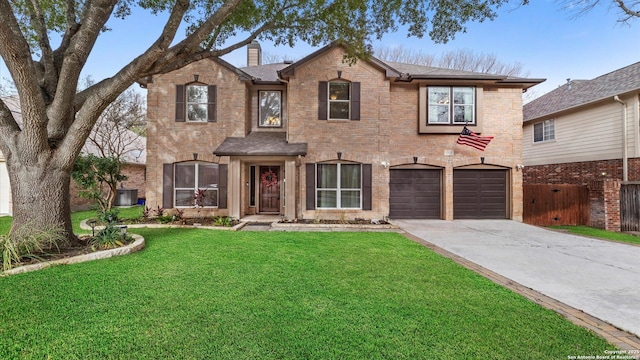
{"x":222,"y":221}
{"x":108,"y":216}
{"x":16,"y":247}
{"x":108,"y":238}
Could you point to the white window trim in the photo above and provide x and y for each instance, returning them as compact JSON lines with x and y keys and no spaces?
{"x":187,"y":103}
{"x":544,"y":123}
{"x":260,"y":108}
{"x":451,"y":106}
{"x":193,"y":189}
{"x":329,"y":101}
{"x":338,"y":189}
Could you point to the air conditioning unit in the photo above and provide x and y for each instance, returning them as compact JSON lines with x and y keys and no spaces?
{"x":126,"y":197}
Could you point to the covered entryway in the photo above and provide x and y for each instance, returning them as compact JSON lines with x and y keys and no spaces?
{"x":480,"y":194}
{"x":415,"y":193}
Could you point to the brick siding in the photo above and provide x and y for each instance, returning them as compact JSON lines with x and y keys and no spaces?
{"x":580,"y":173}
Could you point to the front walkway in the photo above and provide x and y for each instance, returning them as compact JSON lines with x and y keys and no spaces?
{"x":598,"y":277}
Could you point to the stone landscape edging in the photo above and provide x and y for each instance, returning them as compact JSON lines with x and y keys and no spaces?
{"x":135,"y":246}
{"x":84,"y":226}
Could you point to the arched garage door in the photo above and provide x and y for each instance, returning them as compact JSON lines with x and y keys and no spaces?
{"x":480,"y":194}
{"x":415,"y":193}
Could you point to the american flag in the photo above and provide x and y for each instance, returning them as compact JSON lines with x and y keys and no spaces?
{"x":469,"y":138}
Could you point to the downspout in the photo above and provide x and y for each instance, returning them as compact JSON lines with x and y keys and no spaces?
{"x":625,"y":155}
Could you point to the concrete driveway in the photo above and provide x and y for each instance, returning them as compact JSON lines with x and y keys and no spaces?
{"x":598,"y":277}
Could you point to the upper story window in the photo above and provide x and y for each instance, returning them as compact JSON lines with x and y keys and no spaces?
{"x":197,"y":99}
{"x":196,"y":102}
{"x":191,"y":177}
{"x":544,"y":131}
{"x":338,"y":100}
{"x":451,"y":105}
{"x":270,"y":110}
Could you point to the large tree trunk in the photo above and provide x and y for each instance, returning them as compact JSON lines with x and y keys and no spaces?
{"x":40,"y":197}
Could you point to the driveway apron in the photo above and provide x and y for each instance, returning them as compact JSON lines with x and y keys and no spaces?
{"x":599,"y":277}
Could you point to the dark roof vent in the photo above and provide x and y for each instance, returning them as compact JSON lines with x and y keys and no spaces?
{"x":288,"y":62}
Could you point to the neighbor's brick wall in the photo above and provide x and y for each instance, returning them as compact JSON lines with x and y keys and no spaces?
{"x":580,"y":173}
{"x":611,"y":190}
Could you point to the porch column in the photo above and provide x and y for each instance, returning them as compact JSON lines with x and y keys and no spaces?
{"x":290,"y":189}
{"x":234,"y":188}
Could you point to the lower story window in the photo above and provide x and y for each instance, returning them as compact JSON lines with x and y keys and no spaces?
{"x":339,"y":186}
{"x":193,"y":178}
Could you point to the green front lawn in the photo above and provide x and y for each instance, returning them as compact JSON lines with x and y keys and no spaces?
{"x":202,"y":294}
{"x":601,"y":234}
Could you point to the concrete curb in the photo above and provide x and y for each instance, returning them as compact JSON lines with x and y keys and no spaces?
{"x":135,"y":246}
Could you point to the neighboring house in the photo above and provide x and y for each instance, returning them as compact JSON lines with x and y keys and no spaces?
{"x":320,"y":139}
{"x":134,"y":168}
{"x":587,"y":132}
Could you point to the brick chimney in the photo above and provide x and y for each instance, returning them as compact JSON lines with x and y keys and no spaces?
{"x":254,"y":54}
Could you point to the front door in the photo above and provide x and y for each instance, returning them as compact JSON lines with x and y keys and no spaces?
{"x":269,"y":189}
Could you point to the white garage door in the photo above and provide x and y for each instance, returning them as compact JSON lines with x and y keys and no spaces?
{"x":5,"y":190}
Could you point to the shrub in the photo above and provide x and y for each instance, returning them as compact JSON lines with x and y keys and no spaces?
{"x":108,"y":238}
{"x":164,"y":219}
{"x":17,"y":246}
{"x":108,"y":216}
{"x":222,"y":221}
{"x":159,"y":211}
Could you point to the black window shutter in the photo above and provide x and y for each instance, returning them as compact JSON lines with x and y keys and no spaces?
{"x":167,"y":186}
{"x":322,"y":100}
{"x":212,"y":96}
{"x":366,"y":187}
{"x":180,"y":105}
{"x":355,"y":101}
{"x":311,"y":185}
{"x":222,"y":186}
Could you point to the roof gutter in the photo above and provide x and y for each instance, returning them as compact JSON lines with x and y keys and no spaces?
{"x":625,"y":155}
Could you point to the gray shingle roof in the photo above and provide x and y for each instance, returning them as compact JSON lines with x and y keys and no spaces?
{"x":268,"y":72}
{"x":583,"y":92}
{"x":260,"y":143}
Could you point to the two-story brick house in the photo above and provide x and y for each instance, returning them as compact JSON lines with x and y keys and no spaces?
{"x":319,"y":138}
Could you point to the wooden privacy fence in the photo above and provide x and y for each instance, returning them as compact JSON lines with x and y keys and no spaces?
{"x":546,"y":205}
{"x":630,"y":207}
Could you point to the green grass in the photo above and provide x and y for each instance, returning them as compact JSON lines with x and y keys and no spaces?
{"x":196,"y":294}
{"x":601,"y":234}
{"x":123,"y":213}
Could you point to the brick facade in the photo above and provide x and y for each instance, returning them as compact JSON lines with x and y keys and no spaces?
{"x":385,"y":136}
